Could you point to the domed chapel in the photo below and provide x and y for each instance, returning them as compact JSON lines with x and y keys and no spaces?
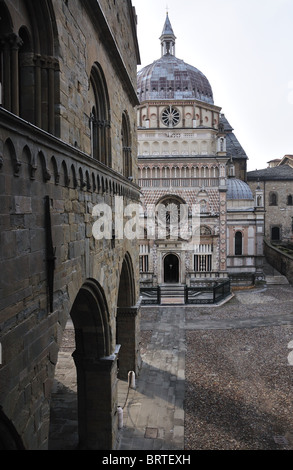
{"x":202,"y":224}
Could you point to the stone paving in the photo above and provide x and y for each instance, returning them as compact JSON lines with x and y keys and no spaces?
{"x":154,"y":412}
{"x":154,"y":416}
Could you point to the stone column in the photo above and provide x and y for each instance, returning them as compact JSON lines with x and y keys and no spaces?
{"x":223,"y":219}
{"x":38,"y":91}
{"x":15,"y":44}
{"x":127,"y":161}
{"x":128,"y":336}
{"x":259,"y":236}
{"x":97,"y":401}
{"x":51,"y":95}
{"x":44,"y":93}
{"x":6,"y":74}
{"x":27,"y":86}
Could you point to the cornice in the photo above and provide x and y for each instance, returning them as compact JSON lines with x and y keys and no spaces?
{"x":37,"y":136}
{"x":173,"y":102}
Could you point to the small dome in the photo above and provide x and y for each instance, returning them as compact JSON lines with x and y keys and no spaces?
{"x":238,"y":190}
{"x":171,"y":78}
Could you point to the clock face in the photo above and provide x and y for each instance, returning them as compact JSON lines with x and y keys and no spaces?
{"x":170,"y":117}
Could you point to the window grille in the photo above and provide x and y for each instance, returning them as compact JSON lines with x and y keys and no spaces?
{"x":202,"y":263}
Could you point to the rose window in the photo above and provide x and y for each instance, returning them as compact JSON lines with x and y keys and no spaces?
{"x":170,"y":117}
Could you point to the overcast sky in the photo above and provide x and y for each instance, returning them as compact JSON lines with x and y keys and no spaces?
{"x":245,"y":49}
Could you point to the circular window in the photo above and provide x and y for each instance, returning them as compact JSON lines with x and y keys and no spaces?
{"x":170,"y":117}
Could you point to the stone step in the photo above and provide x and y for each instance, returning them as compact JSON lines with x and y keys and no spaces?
{"x":172,"y":294}
{"x":272,"y":276}
{"x":172,"y":300}
{"x":172,"y":290}
{"x":277,"y":280}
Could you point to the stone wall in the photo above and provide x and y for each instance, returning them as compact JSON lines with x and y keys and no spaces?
{"x":279,"y":215}
{"x":41,"y":278}
{"x":282,"y":262}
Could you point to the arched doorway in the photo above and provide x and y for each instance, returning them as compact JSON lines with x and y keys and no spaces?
{"x":171,"y":269}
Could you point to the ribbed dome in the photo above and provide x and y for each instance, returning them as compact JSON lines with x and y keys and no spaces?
{"x":172,"y":79}
{"x":169,"y":78}
{"x":238,"y":189}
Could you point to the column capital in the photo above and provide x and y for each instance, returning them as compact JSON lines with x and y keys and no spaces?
{"x":14,"y":41}
{"x":88,"y":362}
{"x":130,"y":311}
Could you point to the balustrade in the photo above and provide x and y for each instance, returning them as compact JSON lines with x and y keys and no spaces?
{"x":178,"y":182}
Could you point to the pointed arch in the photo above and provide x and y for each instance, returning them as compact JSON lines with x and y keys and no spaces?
{"x":42,"y":164}
{"x":96,"y":367}
{"x":27,"y":158}
{"x":66,"y":178}
{"x":94,"y":185}
{"x":9,"y":150}
{"x":91,"y":321}
{"x":44,"y":27}
{"x":29,"y":71}
{"x":126,"y":294}
{"x":55,"y":170}
{"x":127,"y":320}
{"x":6,"y":29}
{"x":73,"y":177}
{"x":100,"y":116}
{"x":82,"y":182}
{"x":126,"y":145}
{"x":9,"y":438}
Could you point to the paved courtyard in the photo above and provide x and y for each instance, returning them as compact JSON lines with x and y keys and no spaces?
{"x":239,"y":383}
{"x":211,"y":378}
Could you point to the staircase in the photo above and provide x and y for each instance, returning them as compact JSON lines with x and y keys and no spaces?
{"x":273,"y":277}
{"x":172,"y":294}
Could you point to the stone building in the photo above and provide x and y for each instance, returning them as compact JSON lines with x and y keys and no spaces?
{"x":189,"y":156}
{"x":67,"y":150}
{"x":287,"y":160}
{"x":273,"y":187}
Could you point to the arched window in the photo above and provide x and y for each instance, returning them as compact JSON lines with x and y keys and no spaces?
{"x":259,"y":202}
{"x":290,"y":200}
{"x":171,"y":215}
{"x":6,"y":29}
{"x":203,"y":206}
{"x":100,"y":117}
{"x":126,"y":146}
{"x":273,"y":199}
{"x":29,"y":71}
{"x":238,"y":243}
{"x":231,"y":170}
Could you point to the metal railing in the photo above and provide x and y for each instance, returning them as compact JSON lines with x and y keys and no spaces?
{"x":150,"y":295}
{"x":207,"y":294}
{"x":210,"y":294}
